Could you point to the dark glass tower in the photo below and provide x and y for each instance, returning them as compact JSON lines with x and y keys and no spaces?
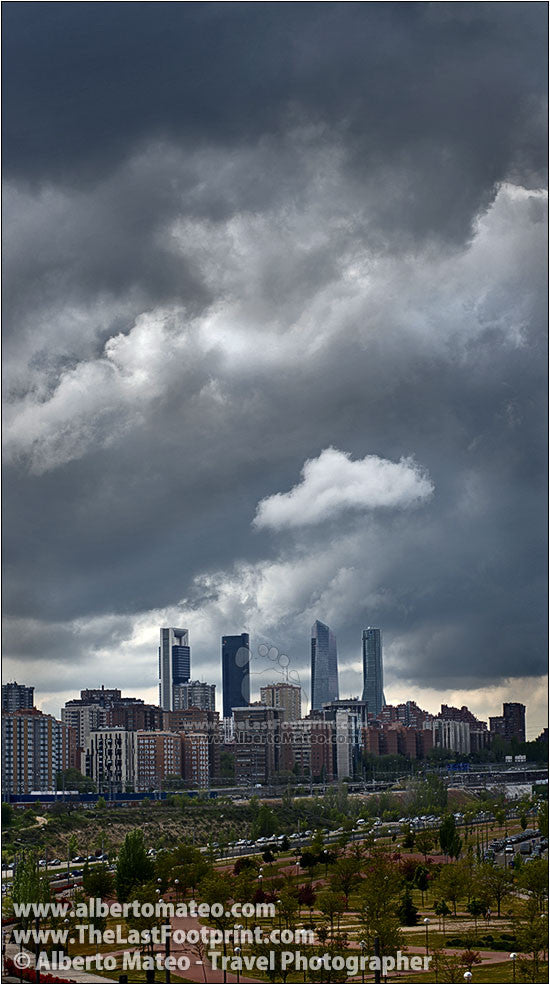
{"x":324,"y":666}
{"x":373,"y":674}
{"x":235,"y":672}
{"x":174,"y":663}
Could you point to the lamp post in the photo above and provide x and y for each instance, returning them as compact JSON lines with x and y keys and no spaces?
{"x":21,"y":960}
{"x":362,"y":945}
{"x":167,"y":951}
{"x":238,"y":955}
{"x":37,"y":950}
{"x":177,"y":886}
{"x":279,"y":913}
{"x":427,"y":924}
{"x":513,"y":957}
{"x":467,"y":976}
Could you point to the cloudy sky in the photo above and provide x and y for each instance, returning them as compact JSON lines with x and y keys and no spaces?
{"x":275,"y":342}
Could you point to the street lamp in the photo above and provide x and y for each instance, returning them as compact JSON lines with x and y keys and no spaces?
{"x":37,"y":950}
{"x":467,"y":976}
{"x":167,"y":952}
{"x":513,"y":957}
{"x":427,"y":924}
{"x":362,"y":945}
{"x":238,"y":954}
{"x":279,"y":912}
{"x":177,"y":884}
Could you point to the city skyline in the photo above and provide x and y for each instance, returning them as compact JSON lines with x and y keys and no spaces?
{"x":275,"y":338}
{"x":232,"y":646}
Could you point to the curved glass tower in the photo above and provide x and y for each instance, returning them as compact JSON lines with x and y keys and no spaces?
{"x":324,"y":666}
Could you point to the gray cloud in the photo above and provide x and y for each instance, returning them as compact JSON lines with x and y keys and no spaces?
{"x":325,"y":230}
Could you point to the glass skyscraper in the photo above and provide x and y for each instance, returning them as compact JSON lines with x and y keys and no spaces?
{"x":324,"y":666}
{"x":235,"y":672}
{"x":373,"y":675}
{"x":174,"y":663}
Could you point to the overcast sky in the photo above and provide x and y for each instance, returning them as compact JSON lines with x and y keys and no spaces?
{"x":275,"y":342}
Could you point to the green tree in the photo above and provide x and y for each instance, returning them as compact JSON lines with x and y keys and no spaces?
{"x":422,"y":879}
{"x":492,"y":884}
{"x":428,"y":795}
{"x":331,"y":904}
{"x":448,"y":837}
{"x":452,"y":883}
{"x":97,"y":882}
{"x":288,"y":905}
{"x":265,"y":824}
{"x":146,"y":893}
{"x":476,"y":908}
{"x":532,"y":938}
{"x":219,"y":888}
{"x":308,"y":861}
{"x":7,"y":815}
{"x":442,"y":910}
{"x":543,"y":818}
{"x":73,"y":779}
{"x":424,"y":843}
{"x":533,"y":879}
{"x":345,"y":876}
{"x":29,"y":886}
{"x":133,"y":866}
{"x":408,"y":837}
{"x":448,"y":967}
{"x":379,"y":897}
{"x":407,"y":911}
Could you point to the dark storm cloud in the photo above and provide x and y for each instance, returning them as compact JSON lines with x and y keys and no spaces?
{"x":449,"y":94}
{"x":237,"y":235}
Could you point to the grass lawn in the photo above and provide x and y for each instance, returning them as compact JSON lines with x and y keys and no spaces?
{"x":485,"y":975}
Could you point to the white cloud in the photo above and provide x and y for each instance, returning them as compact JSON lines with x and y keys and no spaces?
{"x":333,"y":482}
{"x":97,"y":401}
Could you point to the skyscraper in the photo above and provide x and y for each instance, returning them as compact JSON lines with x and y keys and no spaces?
{"x":373,"y":675}
{"x":324,"y":665}
{"x":235,"y":672}
{"x":174,"y":664}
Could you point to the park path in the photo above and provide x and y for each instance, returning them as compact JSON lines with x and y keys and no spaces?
{"x":202,"y":969}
